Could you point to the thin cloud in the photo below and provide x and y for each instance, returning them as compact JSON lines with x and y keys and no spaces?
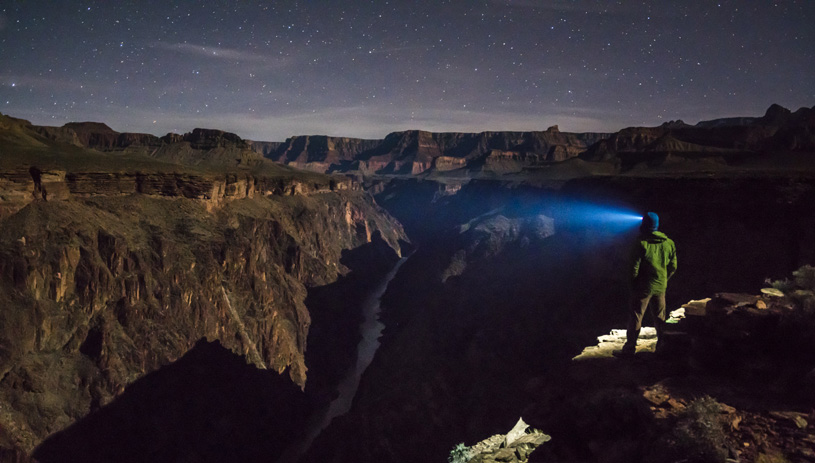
{"x":218,"y":53}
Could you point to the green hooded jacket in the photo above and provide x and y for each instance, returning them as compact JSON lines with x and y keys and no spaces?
{"x":654,"y":262}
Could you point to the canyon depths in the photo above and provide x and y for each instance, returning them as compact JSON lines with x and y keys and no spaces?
{"x":185,"y":299}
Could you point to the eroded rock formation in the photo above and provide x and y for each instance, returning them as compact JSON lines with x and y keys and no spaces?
{"x":108,"y":274}
{"x":415,"y":152}
{"x":403,"y":153}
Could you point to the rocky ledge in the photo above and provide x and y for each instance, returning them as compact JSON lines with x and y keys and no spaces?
{"x":735,"y":382}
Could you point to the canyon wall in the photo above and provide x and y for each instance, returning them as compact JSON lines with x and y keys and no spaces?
{"x":415,"y":152}
{"x":99,"y":291}
{"x":411,"y":152}
{"x":122,"y":276}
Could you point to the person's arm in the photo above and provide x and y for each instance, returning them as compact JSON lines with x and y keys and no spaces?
{"x":672,"y":262}
{"x":636,"y":259}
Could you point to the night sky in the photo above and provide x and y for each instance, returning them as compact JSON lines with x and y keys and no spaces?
{"x":269,"y":70}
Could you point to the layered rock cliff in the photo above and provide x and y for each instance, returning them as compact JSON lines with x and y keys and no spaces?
{"x":103,"y":290}
{"x":710,"y":144}
{"x":108,"y":274}
{"x":415,"y":152}
{"x":411,"y":152}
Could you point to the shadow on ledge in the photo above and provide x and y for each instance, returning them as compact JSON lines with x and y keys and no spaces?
{"x":210,"y":405}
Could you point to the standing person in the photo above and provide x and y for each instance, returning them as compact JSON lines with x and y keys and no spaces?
{"x":653,"y":263}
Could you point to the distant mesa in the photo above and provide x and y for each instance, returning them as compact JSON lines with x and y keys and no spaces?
{"x":418,"y":152}
{"x":729,"y":139}
{"x":411,"y":152}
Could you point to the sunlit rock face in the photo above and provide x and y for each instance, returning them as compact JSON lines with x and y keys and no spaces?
{"x":415,"y":152}
{"x":104,"y":290}
{"x":22,"y":186}
{"x":112,"y":268}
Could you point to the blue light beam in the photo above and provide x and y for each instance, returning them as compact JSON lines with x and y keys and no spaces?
{"x":611,"y":218}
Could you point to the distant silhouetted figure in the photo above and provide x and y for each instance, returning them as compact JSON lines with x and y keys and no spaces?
{"x":653,"y":263}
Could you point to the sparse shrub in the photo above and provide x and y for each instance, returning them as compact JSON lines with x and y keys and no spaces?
{"x":804,"y":295}
{"x":786,"y":285}
{"x":801,"y":289}
{"x":805,"y":277}
{"x":459,"y":454}
{"x":697,"y":437}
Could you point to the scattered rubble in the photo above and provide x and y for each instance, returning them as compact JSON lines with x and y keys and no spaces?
{"x":513,"y":447}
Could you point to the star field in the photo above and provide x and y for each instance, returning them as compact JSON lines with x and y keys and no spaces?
{"x":269,"y":70}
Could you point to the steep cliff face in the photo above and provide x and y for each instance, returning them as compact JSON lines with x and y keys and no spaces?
{"x":112,"y":267}
{"x":319,"y":152}
{"x":97,"y":292}
{"x":265,"y":148}
{"x":414,"y":152}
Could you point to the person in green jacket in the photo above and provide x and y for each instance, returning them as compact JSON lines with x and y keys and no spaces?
{"x":653,"y":264}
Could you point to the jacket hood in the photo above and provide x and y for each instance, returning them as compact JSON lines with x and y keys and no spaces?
{"x":654,"y":236}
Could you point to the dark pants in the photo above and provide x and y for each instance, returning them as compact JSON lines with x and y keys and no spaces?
{"x":639,"y":305}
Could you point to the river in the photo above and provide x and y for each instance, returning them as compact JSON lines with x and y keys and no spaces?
{"x":370,"y":329}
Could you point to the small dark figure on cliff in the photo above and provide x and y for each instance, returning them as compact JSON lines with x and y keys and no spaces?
{"x":653,"y":264}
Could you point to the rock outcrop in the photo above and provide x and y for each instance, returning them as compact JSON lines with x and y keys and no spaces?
{"x":756,"y":336}
{"x":512,"y":447}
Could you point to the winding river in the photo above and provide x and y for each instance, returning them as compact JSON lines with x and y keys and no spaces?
{"x":370,"y":329}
